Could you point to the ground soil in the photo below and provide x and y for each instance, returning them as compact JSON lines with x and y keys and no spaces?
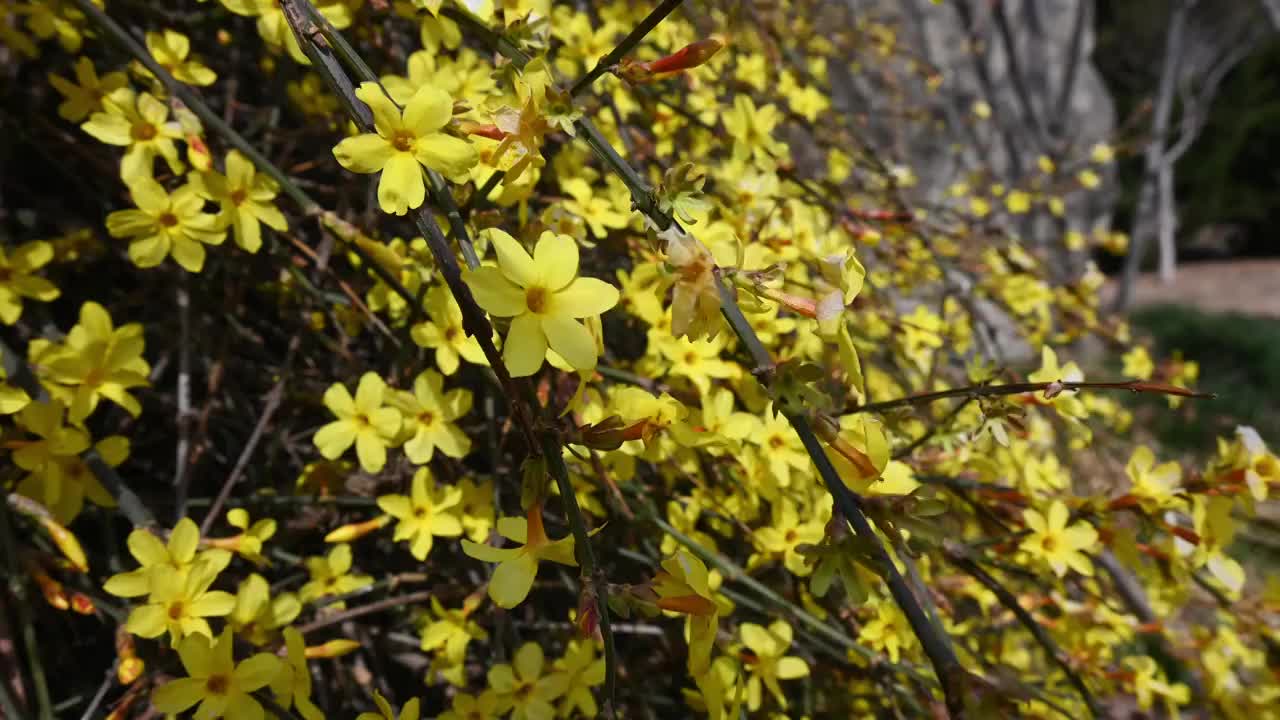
{"x":1249,"y":286}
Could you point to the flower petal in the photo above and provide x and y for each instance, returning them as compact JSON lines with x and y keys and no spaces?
{"x":556,"y":256}
{"x":494,"y":292}
{"x":512,"y":581}
{"x":446,"y":154}
{"x":585,"y":297}
{"x":428,"y":110}
{"x":401,"y":188}
{"x":367,"y":153}
{"x":571,"y":339}
{"x":513,"y":260}
{"x":526,"y":346}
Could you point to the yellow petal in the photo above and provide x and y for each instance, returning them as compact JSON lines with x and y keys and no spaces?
{"x":401,"y":188}
{"x":556,"y":257}
{"x":526,"y":346}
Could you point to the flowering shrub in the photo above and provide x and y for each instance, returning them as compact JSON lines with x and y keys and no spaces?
{"x":571,"y":361}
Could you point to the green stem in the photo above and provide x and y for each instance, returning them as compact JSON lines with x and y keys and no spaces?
{"x":958,"y":557}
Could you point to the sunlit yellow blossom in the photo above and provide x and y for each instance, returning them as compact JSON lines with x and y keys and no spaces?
{"x":84,"y":97}
{"x":166,"y":224}
{"x":1057,"y":543}
{"x":221,"y":686}
{"x":140,"y":123}
{"x":179,"y":603}
{"x":524,"y":688}
{"x":429,"y":414}
{"x":331,"y":575}
{"x":445,"y":334}
{"x":424,"y":514}
{"x":768,"y":647}
{"x":97,"y":360}
{"x":171,"y":50}
{"x":246,"y":197}
{"x":517,"y":567}
{"x":545,"y":299}
{"x":364,"y":421}
{"x":404,"y":143}
{"x":18,"y":281}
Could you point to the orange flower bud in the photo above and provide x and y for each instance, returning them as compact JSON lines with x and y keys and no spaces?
{"x":353,"y":531}
{"x":331,"y":649}
{"x":66,"y":543}
{"x":82,"y":604}
{"x":689,"y":56}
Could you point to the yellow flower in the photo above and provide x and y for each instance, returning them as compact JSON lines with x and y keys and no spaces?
{"x":216,"y":681}
{"x":423,"y":514}
{"x":523,"y":688}
{"x":476,"y":508}
{"x":1057,"y":543}
{"x":597,"y":209}
{"x":171,"y":49}
{"x":138,"y":122}
{"x":429,"y":413}
{"x":1138,"y":364}
{"x":545,"y":300}
{"x":473,"y":707}
{"x":157,"y":558}
{"x":166,"y":224}
{"x":584,"y":671}
{"x":180,"y":602}
{"x":784,"y":537}
{"x":445,"y":333}
{"x":752,"y":131}
{"x":17,"y":280}
{"x":85,"y":95}
{"x":1067,"y":403}
{"x":246,"y":200}
{"x":450,"y":633}
{"x":365,"y":422}
{"x":684,"y":586}
{"x":771,"y":663}
{"x":58,"y":478}
{"x":1155,"y":486}
{"x":292,"y":684}
{"x":331,"y":575}
{"x":410,"y":711}
{"x":888,"y":631}
{"x":404,"y":142}
{"x":274,"y":28}
{"x":517,"y":567}
{"x":99,"y":360}
{"x":257,"y":615}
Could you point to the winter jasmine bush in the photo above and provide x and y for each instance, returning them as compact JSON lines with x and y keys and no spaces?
{"x":574,"y":360}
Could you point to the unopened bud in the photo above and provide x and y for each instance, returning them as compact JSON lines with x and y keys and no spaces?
{"x":331,"y":649}
{"x":354,"y":531}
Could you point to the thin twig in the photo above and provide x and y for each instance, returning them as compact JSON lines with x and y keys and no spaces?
{"x":375,"y":607}
{"x":959,"y":557}
{"x":269,"y":408}
{"x":181,"y":472}
{"x":633,"y":38}
{"x":976,"y":391}
{"x":22,"y":606}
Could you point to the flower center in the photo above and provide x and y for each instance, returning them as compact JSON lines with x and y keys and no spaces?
{"x":1049,"y":543}
{"x":403,"y":141}
{"x":791,"y":536}
{"x":776,"y":442}
{"x":238,"y":196}
{"x":419,"y":512}
{"x":217,"y":684}
{"x":450,"y":333}
{"x":427,"y":418}
{"x":168,"y":219}
{"x":176,"y":610}
{"x":143,"y":131}
{"x":536,"y":298}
